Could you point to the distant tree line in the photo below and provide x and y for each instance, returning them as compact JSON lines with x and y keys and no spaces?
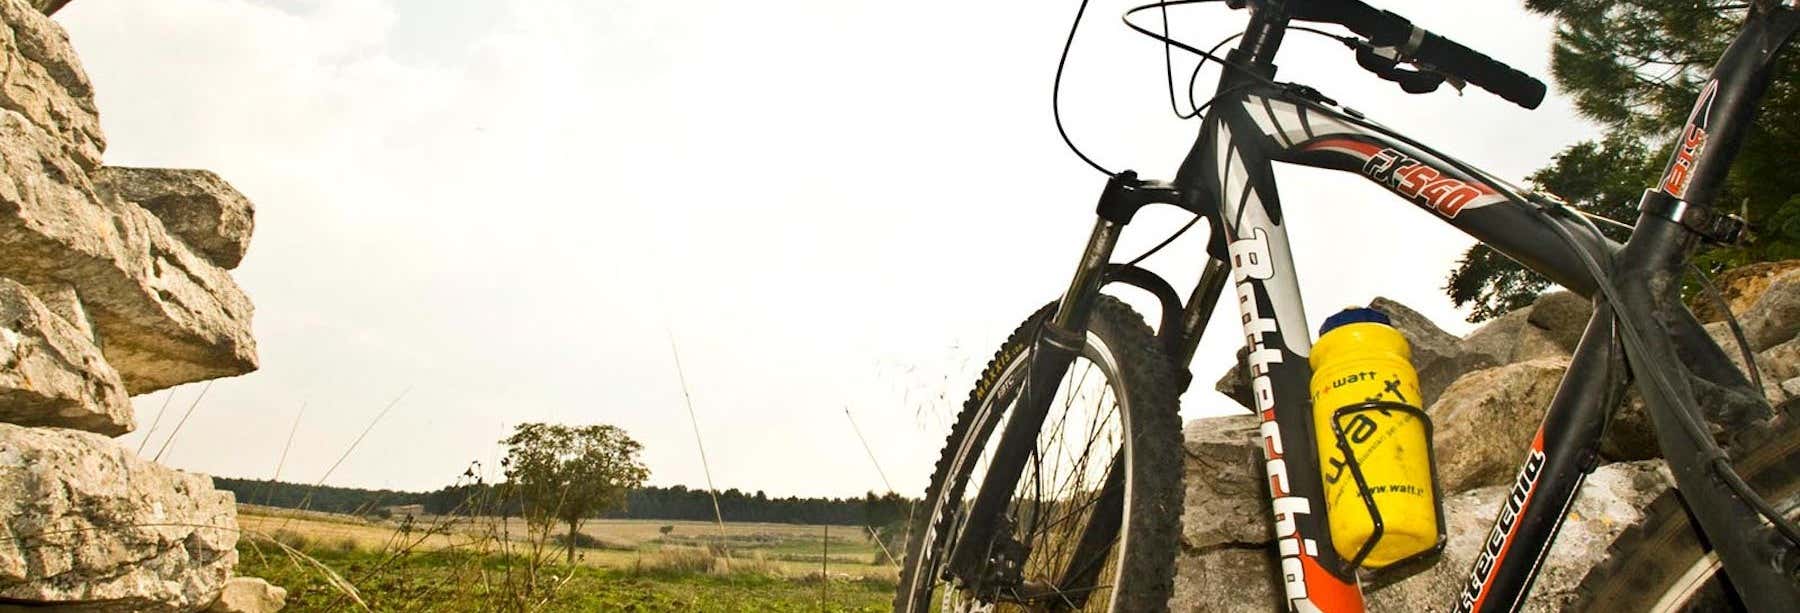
{"x":648,"y":502}
{"x":325,"y":498}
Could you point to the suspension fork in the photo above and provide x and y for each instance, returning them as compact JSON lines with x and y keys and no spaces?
{"x":979,"y":550}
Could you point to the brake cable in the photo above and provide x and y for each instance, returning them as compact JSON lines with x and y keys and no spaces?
{"x":1169,"y":73}
{"x":1731,"y":321}
{"x":1056,"y":93}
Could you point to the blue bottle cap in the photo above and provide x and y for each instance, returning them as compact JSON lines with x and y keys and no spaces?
{"x":1352,"y":316}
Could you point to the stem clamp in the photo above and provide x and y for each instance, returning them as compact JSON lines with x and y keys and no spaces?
{"x":1723,"y":228}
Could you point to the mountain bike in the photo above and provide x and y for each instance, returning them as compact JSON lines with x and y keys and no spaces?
{"x":1059,"y":487}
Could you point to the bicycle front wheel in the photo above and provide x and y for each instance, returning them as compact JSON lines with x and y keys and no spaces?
{"x":1091,"y":525}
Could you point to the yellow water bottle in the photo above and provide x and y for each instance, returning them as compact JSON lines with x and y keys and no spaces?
{"x":1361,"y":358}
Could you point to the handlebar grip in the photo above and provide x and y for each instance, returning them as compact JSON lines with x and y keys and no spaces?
{"x":1451,"y":57}
{"x":1383,"y":28}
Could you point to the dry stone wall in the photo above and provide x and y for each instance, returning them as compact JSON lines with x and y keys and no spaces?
{"x":113,"y":283}
{"x":1486,"y":393}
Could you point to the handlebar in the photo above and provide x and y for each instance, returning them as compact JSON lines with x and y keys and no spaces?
{"x":1406,"y":41}
{"x":1480,"y":70}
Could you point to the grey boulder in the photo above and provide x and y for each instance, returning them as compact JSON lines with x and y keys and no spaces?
{"x":51,"y":374}
{"x":1484,"y":422}
{"x":87,"y":522}
{"x":1610,"y":500}
{"x":195,"y":205}
{"x":248,"y":595}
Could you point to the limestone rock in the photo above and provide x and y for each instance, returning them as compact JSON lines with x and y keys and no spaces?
{"x":1630,"y":435}
{"x":1234,"y":383}
{"x":1721,"y":334}
{"x":1740,"y":287}
{"x":1562,"y":316}
{"x":1513,"y":338}
{"x":1611,"y":499}
{"x":1486,"y":418}
{"x":248,"y":595}
{"x":1775,"y":316}
{"x":1226,"y":580}
{"x":1550,"y":327}
{"x":195,"y":205}
{"x":1225,"y":530}
{"x":165,"y":315}
{"x":88,"y":520}
{"x":1436,"y":355}
{"x":49,"y":7}
{"x":1781,"y":362}
{"x":62,"y":299}
{"x":1225,"y":502}
{"x":1236,"y":576}
{"x":44,"y":83}
{"x":51,"y":374}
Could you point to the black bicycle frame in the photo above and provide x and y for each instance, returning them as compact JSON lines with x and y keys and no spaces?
{"x":1228,"y":177}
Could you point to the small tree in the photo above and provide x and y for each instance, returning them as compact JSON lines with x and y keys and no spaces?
{"x":567,"y":474}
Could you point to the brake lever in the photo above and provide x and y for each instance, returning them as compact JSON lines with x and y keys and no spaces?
{"x":1385,"y":63}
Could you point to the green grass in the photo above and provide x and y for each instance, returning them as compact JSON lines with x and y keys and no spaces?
{"x":451,"y":580}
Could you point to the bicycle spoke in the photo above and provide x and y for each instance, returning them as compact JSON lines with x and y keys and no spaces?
{"x":1059,"y":502}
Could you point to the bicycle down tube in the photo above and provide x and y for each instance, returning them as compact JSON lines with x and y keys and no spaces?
{"x":1228,"y":175}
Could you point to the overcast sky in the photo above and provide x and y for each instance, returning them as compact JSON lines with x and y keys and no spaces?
{"x":507,"y":208}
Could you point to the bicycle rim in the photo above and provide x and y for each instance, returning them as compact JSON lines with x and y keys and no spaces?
{"x":1061,"y":494}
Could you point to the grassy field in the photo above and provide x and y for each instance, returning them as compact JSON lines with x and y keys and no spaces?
{"x":492,"y":565}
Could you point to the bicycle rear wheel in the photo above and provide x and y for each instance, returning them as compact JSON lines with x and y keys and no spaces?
{"x":1092,"y":523}
{"x":1663,"y":564}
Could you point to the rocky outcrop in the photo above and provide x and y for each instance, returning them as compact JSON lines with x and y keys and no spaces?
{"x":49,"y":7}
{"x":1739,"y":287}
{"x":45,"y":84}
{"x":163,"y":315}
{"x":1227,"y":554}
{"x":113,"y":282}
{"x":1562,"y":317}
{"x":1225,"y":566}
{"x":51,"y":374}
{"x":1484,"y":422}
{"x":86,"y":521}
{"x":1226,"y":580}
{"x":1224,"y":509}
{"x":1548,"y":328}
{"x":1611,"y":499}
{"x":195,"y":205}
{"x":1436,"y":354}
{"x":248,"y":595}
{"x":1774,"y":316}
{"x":1225,"y":532}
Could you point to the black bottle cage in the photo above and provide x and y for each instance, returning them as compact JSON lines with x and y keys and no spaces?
{"x":1417,"y":562}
